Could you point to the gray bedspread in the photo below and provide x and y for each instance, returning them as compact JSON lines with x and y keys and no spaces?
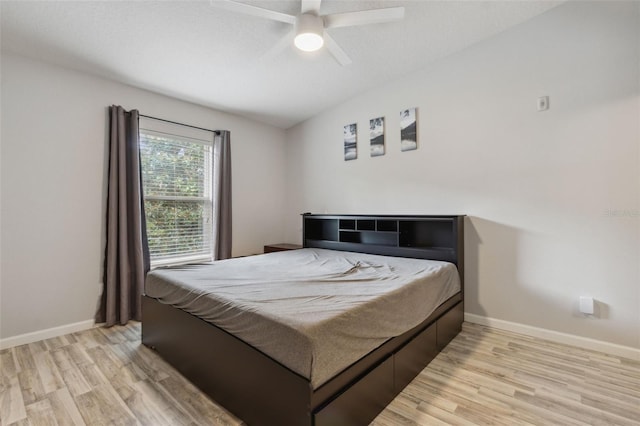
{"x":315,"y":311}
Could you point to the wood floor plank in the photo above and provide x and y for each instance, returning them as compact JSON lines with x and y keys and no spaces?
{"x":531,"y":413}
{"x":77,"y":354}
{"x":8,"y":365}
{"x":24,"y":357}
{"x":172,"y":411}
{"x":37,"y":347}
{"x":153,"y":366}
{"x":56,"y":342}
{"x":580,"y":413}
{"x":123,"y":353}
{"x":471,"y":407}
{"x":48,"y":372}
{"x":22,"y":422}
{"x":75,"y":381}
{"x":65,"y":409}
{"x":143,"y":407}
{"x":41,"y":413}
{"x":594,"y":391}
{"x":391,"y":418}
{"x":432,"y":411}
{"x":618,"y":409}
{"x":108,"y":364}
{"x":195,"y":403}
{"x":90,"y":338}
{"x":484,"y":376}
{"x":101,"y":406}
{"x":30,"y":385}
{"x":12,"y":407}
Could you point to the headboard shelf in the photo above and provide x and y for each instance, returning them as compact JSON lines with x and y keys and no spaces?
{"x":422,"y":237}
{"x":384,"y":238}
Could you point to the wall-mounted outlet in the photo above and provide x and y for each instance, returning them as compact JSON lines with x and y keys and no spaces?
{"x":587,"y":305}
{"x":543,"y":103}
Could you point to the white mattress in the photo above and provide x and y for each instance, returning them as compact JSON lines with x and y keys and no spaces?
{"x":315,"y":311}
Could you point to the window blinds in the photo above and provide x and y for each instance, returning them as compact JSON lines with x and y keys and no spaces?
{"x":177,"y":186}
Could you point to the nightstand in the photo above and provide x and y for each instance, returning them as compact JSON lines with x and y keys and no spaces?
{"x":281,"y":247}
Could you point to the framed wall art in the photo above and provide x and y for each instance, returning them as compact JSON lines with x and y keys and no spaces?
{"x":376,"y":136}
{"x":350,"y":142}
{"x":409,"y":129}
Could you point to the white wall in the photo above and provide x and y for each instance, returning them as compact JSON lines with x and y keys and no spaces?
{"x":539,"y":187}
{"x":54,"y":133}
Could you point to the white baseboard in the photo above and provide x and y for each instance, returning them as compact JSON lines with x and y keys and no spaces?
{"x":542,"y":333}
{"x":35,"y":336}
{"x":556,"y":336}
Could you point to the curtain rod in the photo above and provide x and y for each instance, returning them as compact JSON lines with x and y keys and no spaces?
{"x":217,"y":132}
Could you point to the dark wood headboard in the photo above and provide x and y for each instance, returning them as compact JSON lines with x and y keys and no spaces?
{"x":420,"y":237}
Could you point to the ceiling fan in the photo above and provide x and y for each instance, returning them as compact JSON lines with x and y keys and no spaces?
{"x":309,"y":31}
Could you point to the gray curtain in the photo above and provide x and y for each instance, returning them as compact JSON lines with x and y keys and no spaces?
{"x":222,"y":195}
{"x":126,"y":254}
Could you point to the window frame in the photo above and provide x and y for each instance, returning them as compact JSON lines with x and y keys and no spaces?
{"x":182,"y":133}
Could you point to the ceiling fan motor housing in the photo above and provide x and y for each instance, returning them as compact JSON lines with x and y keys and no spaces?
{"x":309,"y":29}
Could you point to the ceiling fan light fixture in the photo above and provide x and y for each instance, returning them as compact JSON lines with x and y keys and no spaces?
{"x":309,"y":29}
{"x":309,"y":42}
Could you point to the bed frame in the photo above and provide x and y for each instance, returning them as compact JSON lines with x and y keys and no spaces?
{"x":261,"y":391}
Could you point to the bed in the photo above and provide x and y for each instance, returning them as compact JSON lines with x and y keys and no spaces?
{"x":326,"y":335}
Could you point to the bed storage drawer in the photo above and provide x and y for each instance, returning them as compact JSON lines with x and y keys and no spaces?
{"x":362,"y":402}
{"x":414,"y":357}
{"x":449,"y":325}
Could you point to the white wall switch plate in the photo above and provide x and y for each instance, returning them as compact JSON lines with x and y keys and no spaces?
{"x":586,"y":305}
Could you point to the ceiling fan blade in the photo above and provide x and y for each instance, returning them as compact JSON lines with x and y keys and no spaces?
{"x":312,"y":6}
{"x":337,"y":52}
{"x":363,"y":17}
{"x":234,"y":6}
{"x":279,"y":47}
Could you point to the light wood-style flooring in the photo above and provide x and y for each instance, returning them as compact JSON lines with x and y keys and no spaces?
{"x":485,"y":376}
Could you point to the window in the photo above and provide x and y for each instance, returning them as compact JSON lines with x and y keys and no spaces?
{"x":176,"y":164}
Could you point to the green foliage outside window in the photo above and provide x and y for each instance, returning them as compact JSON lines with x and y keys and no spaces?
{"x":176,"y":179}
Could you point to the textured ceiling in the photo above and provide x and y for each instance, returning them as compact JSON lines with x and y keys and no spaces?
{"x":196,"y":52}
